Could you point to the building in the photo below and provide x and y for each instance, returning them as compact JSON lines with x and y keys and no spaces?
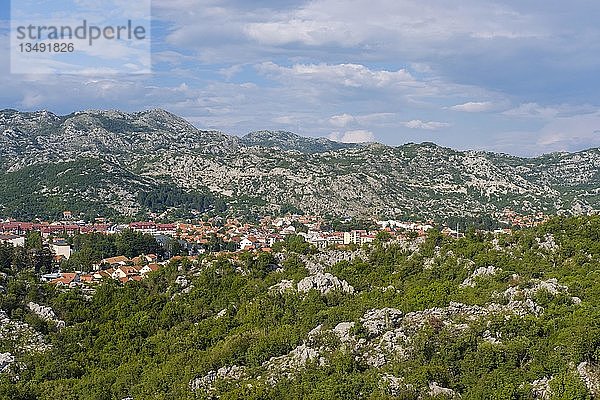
{"x":13,"y":239}
{"x":61,"y":249}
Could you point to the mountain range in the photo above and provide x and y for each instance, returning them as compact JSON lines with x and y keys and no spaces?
{"x":112,"y":162}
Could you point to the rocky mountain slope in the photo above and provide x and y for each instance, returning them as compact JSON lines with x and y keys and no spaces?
{"x":263,"y":171}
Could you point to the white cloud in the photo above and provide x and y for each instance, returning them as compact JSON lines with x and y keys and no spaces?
{"x":568,"y":133}
{"x":342,"y":120}
{"x":349,"y":75}
{"x":310,"y":32}
{"x":357,"y":136}
{"x":536,"y":110}
{"x":31,"y":100}
{"x":473,"y":106}
{"x":368,"y":21}
{"x":430,"y":126}
{"x":286,"y":120}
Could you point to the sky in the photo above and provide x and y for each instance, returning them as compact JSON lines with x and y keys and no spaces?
{"x":519,"y":77}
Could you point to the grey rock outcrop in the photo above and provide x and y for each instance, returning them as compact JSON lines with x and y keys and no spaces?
{"x":480,"y":272}
{"x":21,"y":335}
{"x":282,"y":287}
{"x":590,"y":375}
{"x":6,"y":360}
{"x":380,"y":320}
{"x":394,"y":385}
{"x":45,"y":313}
{"x":540,"y":388}
{"x":323,"y":283}
{"x":437,"y":390}
{"x":206,"y":383}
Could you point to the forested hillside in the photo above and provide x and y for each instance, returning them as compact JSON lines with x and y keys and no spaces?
{"x":482,"y":317}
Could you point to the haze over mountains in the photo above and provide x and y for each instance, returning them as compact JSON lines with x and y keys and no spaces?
{"x":108,"y":161}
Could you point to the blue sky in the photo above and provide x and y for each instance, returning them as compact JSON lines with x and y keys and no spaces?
{"x":509,"y":76}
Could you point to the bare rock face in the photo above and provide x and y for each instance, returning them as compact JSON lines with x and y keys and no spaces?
{"x":380,"y":320}
{"x":480,"y":273}
{"x":22,"y":335}
{"x":540,"y":388}
{"x":316,"y":263}
{"x":343,"y":331}
{"x":323,"y":283}
{"x":184,"y":283}
{"x":590,"y":375}
{"x":437,"y":390}
{"x":206,"y":383}
{"x":6,"y":359}
{"x":551,"y":286}
{"x":45,"y":313}
{"x":295,"y":359}
{"x":548,"y":242}
{"x":282,"y":287}
{"x":394,"y":385}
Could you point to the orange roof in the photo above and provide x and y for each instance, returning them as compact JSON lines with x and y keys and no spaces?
{"x":116,"y":260}
{"x":65,"y":278}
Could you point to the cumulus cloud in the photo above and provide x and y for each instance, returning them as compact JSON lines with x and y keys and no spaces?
{"x":430,"y":126}
{"x":351,"y":75}
{"x":333,"y":21}
{"x":473,"y":106}
{"x":356,"y":136}
{"x":310,"y":32}
{"x":342,"y":120}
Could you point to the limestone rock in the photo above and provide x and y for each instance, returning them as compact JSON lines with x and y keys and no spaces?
{"x":282,"y":287}
{"x":342,"y":330}
{"x":480,"y":273}
{"x":540,"y":388}
{"x":45,"y":313}
{"x":6,"y":359}
{"x":206,"y":383}
{"x":323,"y":283}
{"x":437,"y":390}
{"x":379,"y":320}
{"x":590,"y":375}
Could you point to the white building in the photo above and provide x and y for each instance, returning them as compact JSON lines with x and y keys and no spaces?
{"x":62,"y":249}
{"x":13,"y":239}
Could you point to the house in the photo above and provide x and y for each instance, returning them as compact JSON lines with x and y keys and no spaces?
{"x":16,"y":241}
{"x":61,"y":249}
{"x":66,"y":278}
{"x":146,"y":269}
{"x":290,"y":230}
{"x":86,"y":278}
{"x":113,"y":262}
{"x":246,"y":244}
{"x":99,"y":275}
{"x":50,"y":277}
{"x":125,"y":271}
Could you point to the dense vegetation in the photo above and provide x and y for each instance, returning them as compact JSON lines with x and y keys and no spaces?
{"x":166,"y":196}
{"x":89,"y":249}
{"x":46,"y":190}
{"x":148,"y":340}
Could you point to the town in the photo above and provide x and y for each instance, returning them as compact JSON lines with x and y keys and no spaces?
{"x":215,"y":235}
